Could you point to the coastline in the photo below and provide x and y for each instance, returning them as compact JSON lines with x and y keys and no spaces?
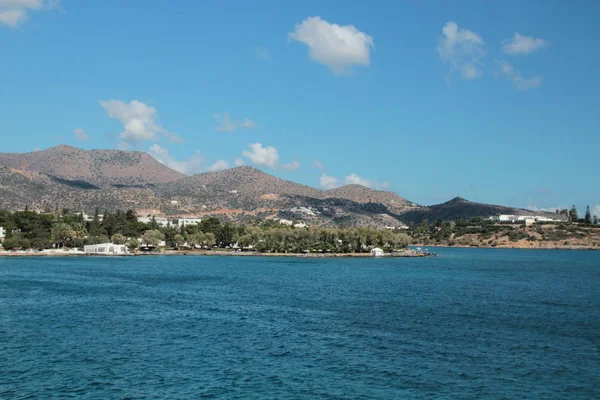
{"x":218,"y":253}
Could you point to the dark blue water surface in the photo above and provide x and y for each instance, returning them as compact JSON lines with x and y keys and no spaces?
{"x":469,"y":324}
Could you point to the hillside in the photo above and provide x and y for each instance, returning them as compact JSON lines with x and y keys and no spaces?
{"x":98,"y":168}
{"x":362,"y":194}
{"x":459,"y":208}
{"x":66,"y":177}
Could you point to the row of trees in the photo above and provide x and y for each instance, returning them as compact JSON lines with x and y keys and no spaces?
{"x":573,"y":216}
{"x":28,"y":229}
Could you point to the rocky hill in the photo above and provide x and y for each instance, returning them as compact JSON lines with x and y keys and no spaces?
{"x":459,"y":208}
{"x":66,"y":177}
{"x":362,"y":194}
{"x":98,"y":168}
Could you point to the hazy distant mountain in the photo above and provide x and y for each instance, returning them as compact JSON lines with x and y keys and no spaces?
{"x":100,"y":168}
{"x":459,"y":208}
{"x":66,"y":177}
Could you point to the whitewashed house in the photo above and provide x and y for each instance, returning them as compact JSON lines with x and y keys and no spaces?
{"x":377,"y":252}
{"x":105,"y":249}
{"x":2,"y":234}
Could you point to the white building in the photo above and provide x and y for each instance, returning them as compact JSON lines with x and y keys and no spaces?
{"x":377,"y":252}
{"x":526,"y":219}
{"x":173,"y":221}
{"x":300,"y":225}
{"x":2,"y":234}
{"x":105,"y":249}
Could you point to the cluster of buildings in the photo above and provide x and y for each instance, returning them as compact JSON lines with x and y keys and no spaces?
{"x":171,"y":221}
{"x":522,"y":219}
{"x":288,"y":222}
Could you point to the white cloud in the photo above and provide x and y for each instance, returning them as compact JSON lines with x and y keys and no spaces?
{"x":515,"y":76}
{"x":462,"y":49}
{"x":337,"y":47}
{"x":81,"y":134}
{"x":239,"y":162}
{"x":318,"y":165}
{"x":190,"y":166}
{"x":328,"y":182}
{"x":354,"y":179}
{"x":139,"y":121}
{"x":15,"y":12}
{"x":520,"y":44}
{"x":262,"y":53}
{"x":263,"y":156}
{"x":596,"y":211}
{"x":218,"y":166}
{"x":291,"y":166}
{"x":226,"y":124}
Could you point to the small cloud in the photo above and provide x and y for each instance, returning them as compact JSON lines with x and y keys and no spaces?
{"x":188,"y":167}
{"x":239,"y":162}
{"x":139,"y":121}
{"x":226,"y":124}
{"x":248,"y":124}
{"x":354,"y":179}
{"x":291,"y":166}
{"x":37,"y":149}
{"x":338,"y":47}
{"x":218,"y":166}
{"x":328,"y":182}
{"x":596,"y":211}
{"x":515,"y":76}
{"x":80,"y":134}
{"x":462,"y":49}
{"x":14,"y":12}
{"x":318,"y":165}
{"x":263,"y":156}
{"x":262,"y":53}
{"x":523,"y":45}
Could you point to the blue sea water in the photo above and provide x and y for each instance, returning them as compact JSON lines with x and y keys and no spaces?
{"x":469,"y":324}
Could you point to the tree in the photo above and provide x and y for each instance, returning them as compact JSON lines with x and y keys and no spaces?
{"x":595,"y":220}
{"x":210,"y":225}
{"x":152,"y":237}
{"x":118,"y":238}
{"x":11,"y":243}
{"x":133,"y":243}
{"x":588,"y":215}
{"x":63,"y":234}
{"x":178,"y":240}
{"x":573,"y":214}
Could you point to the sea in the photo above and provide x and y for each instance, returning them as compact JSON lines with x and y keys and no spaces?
{"x":467,"y":324}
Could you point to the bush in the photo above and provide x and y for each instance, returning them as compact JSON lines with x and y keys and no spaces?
{"x":16,"y":243}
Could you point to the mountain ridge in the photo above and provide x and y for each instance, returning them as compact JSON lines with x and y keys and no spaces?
{"x":68,"y":177}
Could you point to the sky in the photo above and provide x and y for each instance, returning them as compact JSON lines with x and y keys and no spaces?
{"x":495,"y":102}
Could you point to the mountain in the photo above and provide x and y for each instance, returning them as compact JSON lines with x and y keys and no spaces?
{"x":98,"y":168}
{"x":459,"y":208}
{"x":362,"y":194}
{"x":66,"y":177}
{"x":243,"y":180}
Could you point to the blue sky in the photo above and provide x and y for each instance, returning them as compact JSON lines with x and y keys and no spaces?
{"x":494,"y":101}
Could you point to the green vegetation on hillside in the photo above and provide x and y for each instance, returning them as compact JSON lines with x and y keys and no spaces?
{"x":27,"y":229}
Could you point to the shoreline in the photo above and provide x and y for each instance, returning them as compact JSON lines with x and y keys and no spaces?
{"x":557,"y":247}
{"x":222,"y":253}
